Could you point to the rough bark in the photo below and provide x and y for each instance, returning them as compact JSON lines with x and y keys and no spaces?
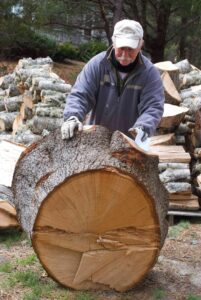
{"x":184,"y":66}
{"x":102,"y":187}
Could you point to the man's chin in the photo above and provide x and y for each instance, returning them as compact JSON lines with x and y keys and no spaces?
{"x":125,"y":62}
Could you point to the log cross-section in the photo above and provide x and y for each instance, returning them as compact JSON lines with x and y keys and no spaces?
{"x":94,"y":207}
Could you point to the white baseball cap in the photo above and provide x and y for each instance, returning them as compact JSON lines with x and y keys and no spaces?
{"x":127,"y":33}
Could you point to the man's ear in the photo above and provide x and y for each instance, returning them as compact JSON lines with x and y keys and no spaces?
{"x":141,"y":43}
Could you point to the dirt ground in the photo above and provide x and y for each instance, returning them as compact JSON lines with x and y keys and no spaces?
{"x":176,"y":275}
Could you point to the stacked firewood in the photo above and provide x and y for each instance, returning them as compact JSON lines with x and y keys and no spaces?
{"x":180,"y":127}
{"x":31,"y":101}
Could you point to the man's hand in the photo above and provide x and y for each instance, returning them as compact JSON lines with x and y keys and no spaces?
{"x":69,"y":126}
{"x":140,"y":137}
{"x":138,"y":132}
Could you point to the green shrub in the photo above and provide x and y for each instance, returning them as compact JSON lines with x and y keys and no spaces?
{"x":90,"y":49}
{"x":66,"y":50}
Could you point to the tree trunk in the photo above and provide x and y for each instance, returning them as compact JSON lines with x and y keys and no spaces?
{"x":94,"y":207}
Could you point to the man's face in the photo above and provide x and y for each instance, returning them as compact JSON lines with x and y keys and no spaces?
{"x":126,"y":55}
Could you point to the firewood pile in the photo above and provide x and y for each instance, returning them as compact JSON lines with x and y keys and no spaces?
{"x":180,"y":128}
{"x":32,"y":100}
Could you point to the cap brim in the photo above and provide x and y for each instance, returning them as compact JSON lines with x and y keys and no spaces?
{"x":123,"y":42}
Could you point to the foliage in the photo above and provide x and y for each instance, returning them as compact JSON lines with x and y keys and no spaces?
{"x":90,"y":49}
{"x":66,"y":50}
{"x":192,"y":297}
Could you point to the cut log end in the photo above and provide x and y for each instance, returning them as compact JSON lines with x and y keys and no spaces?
{"x":97,"y":229}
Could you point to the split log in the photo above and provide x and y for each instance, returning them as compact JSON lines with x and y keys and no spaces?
{"x":94,"y":207}
{"x":171,"y":154}
{"x":173,"y":71}
{"x":8,"y":216}
{"x":172,"y":116}
{"x":6,"y":120}
{"x":38,"y":124}
{"x":172,"y":96}
{"x":9,"y":154}
{"x":165,"y":139}
{"x":184,"y":205}
{"x":184,"y":66}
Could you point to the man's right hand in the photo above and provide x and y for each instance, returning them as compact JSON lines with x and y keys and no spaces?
{"x":69,"y":126}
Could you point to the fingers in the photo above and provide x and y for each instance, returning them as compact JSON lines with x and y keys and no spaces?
{"x":68,"y":128}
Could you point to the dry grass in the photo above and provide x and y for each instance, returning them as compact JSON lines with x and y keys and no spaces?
{"x":67,"y":71}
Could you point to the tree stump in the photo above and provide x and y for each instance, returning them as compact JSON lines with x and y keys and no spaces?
{"x":94,"y":207}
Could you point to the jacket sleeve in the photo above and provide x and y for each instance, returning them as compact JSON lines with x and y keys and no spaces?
{"x":151,"y":105}
{"x":83,"y":94}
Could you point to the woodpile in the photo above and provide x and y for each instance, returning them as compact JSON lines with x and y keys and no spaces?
{"x":94,"y":207}
{"x":179,"y":167}
{"x":32,"y":100}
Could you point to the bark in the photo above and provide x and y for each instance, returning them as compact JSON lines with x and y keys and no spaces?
{"x":52,"y":112}
{"x":184,"y":66}
{"x":191,"y":92}
{"x":190,"y":79}
{"x":6,"y":120}
{"x":174,"y":166}
{"x":171,"y":94}
{"x":38,"y":124}
{"x":178,"y":187}
{"x":60,"y":87}
{"x":175,"y":175}
{"x":29,"y":62}
{"x":6,"y":80}
{"x":95,"y":225}
{"x":11,"y":104}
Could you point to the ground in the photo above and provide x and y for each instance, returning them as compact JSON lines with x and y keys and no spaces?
{"x":176,"y":275}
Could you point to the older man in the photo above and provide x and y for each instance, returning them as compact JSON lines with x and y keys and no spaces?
{"x":120,"y":87}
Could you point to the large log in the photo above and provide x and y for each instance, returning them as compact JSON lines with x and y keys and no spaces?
{"x":172,"y":116}
{"x":6,"y":120}
{"x":94,"y":207}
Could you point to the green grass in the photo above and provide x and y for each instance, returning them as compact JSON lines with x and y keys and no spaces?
{"x":174,"y":231}
{"x":84,"y":296}
{"x":159,"y":294}
{"x":6,"y":267}
{"x":192,"y":297}
{"x":29,"y":260}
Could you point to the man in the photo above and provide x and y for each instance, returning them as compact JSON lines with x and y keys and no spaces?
{"x":120,"y":87}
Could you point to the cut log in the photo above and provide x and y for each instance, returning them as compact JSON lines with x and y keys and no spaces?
{"x":184,"y":66}
{"x":9,"y":154}
{"x":190,"y":79}
{"x":165,"y":139}
{"x":94,"y":207}
{"x":38,"y":124}
{"x":6,"y":120}
{"x":172,"y":96}
{"x":192,"y":92}
{"x":6,"y":192}
{"x":178,"y":187}
{"x":173,"y":71}
{"x":172,"y":116}
{"x":12,"y":104}
{"x":197,"y":129}
{"x":8,"y":216}
{"x":6,"y":80}
{"x":174,"y":166}
{"x":184,"y":204}
{"x":60,"y":87}
{"x":29,"y":62}
{"x":193,"y":104}
{"x":171,"y":154}
{"x":175,"y":175}
{"x":45,"y":111}
{"x":13,"y":91}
